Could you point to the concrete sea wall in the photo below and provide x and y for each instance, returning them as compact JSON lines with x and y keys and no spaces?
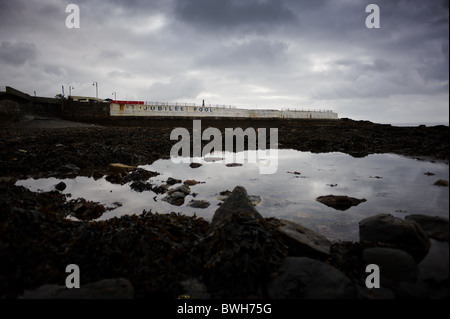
{"x":181,"y":110}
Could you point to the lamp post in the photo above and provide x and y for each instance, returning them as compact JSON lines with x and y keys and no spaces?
{"x":96,"y":89}
{"x":70,"y":90}
{"x":115,"y":97}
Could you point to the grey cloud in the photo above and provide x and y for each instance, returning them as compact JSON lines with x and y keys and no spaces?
{"x":17,"y":53}
{"x":110,"y":54}
{"x":264,"y":53}
{"x":179,"y":87}
{"x":55,"y":70}
{"x":251,"y":15}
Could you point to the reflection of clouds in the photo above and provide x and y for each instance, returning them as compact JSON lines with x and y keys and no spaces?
{"x":403,"y":187}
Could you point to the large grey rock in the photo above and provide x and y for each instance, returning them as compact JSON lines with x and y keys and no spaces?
{"x":389,"y":231}
{"x":242,"y":250}
{"x":237,"y":204}
{"x":306,"y":278}
{"x":302,"y":241}
{"x":435,"y":227}
{"x":117,"y":288}
{"x":395,"y":265}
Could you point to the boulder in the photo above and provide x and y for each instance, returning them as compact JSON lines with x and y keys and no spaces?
{"x":306,"y":278}
{"x":395,"y":265}
{"x":175,"y":198}
{"x":233,"y":165}
{"x":173,"y":181}
{"x":190,"y":182}
{"x":302,"y":241}
{"x":441,"y":182}
{"x":117,"y":288}
{"x":198,"y":204}
{"x":237,"y":204}
{"x":195,"y":165}
{"x":241,"y":251}
{"x":339,"y":202}
{"x":435,"y":227}
{"x":60,"y":186}
{"x":183,"y":189}
{"x":385,"y":230}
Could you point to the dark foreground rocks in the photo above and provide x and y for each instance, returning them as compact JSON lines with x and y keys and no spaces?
{"x":389,"y":231}
{"x":435,"y":227}
{"x":238,"y":255}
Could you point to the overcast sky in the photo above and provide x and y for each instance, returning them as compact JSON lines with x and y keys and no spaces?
{"x":315,"y":54}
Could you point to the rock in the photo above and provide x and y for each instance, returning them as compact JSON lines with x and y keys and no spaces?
{"x":254,"y":199}
{"x":183,"y":189}
{"x":302,"y":241}
{"x":118,"y":288}
{"x":198,"y":204}
{"x":294,"y":173}
{"x":386,"y":230}
{"x":97,"y":175}
{"x":190,"y":182}
{"x":435,"y":227}
{"x":441,"y":182}
{"x":60,"y":186}
{"x":306,"y":278}
{"x":118,"y":167}
{"x":175,"y":198}
{"x":429,"y":174}
{"x":140,"y":186}
{"x":237,"y":204}
{"x":173,"y":181}
{"x":241,"y":251}
{"x":395,"y":265}
{"x":339,"y":202}
{"x":86,"y":210}
{"x":115,"y":177}
{"x":409,"y":290}
{"x":195,"y":165}
{"x":233,"y":165}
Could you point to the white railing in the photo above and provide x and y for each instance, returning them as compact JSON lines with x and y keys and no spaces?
{"x":308,"y":110}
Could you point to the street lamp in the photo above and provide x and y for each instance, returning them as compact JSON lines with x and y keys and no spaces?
{"x":115,"y":97}
{"x":70,"y":90}
{"x":96,"y":89}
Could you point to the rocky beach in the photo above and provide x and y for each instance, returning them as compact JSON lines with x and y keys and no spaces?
{"x":239,"y":254}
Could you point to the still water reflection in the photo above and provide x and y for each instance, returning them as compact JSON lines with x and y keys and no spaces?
{"x":390,"y":184}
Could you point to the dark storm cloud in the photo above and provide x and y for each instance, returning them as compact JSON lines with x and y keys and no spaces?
{"x":262,"y":52}
{"x":252,"y":15}
{"x":18,"y":53}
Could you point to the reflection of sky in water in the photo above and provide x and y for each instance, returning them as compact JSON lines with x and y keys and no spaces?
{"x":402,"y":189}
